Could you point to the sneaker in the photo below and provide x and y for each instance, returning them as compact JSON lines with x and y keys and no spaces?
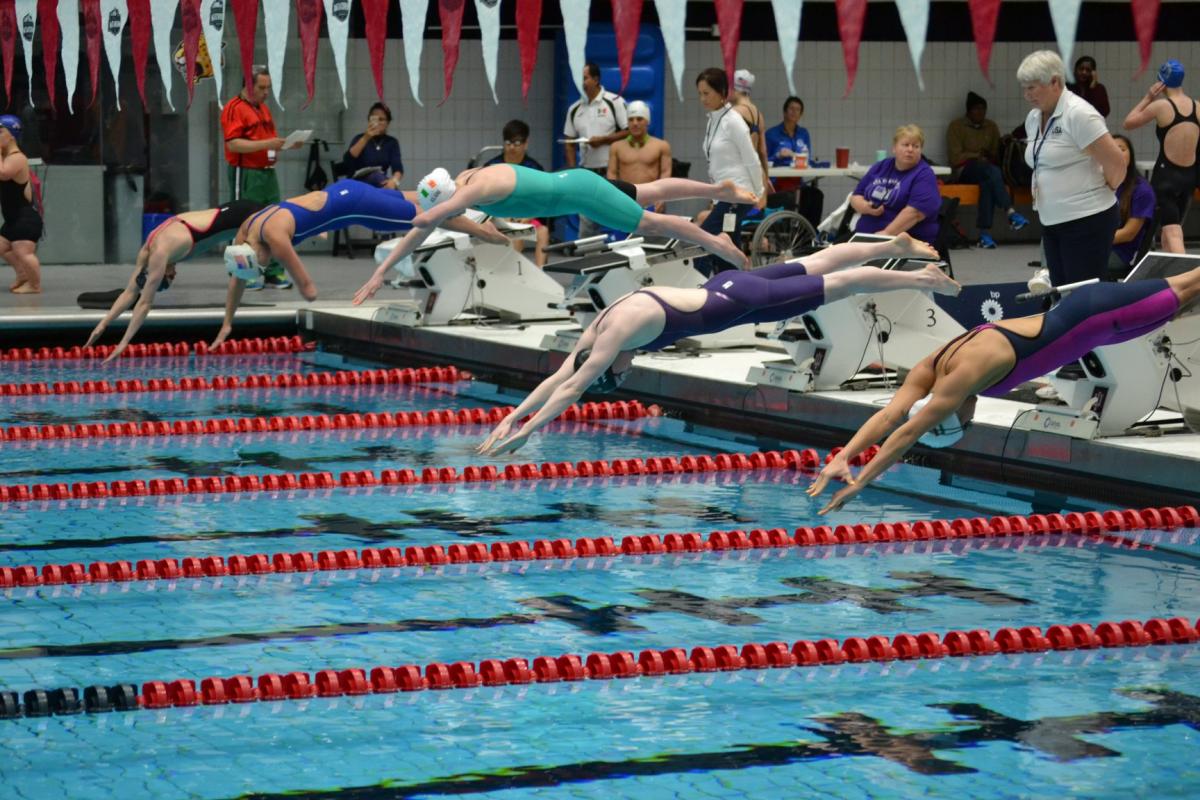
{"x":278,"y":281}
{"x":1040,"y":283}
{"x":1016,"y":221}
{"x":255,"y":285}
{"x":1047,"y":393}
{"x":987,"y":242}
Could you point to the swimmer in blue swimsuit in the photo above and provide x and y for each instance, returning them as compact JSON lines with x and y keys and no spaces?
{"x":516,"y":192}
{"x":274,"y":231}
{"x":651,"y":319}
{"x":937,"y":400}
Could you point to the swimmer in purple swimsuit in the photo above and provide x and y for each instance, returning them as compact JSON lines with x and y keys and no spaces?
{"x":651,"y":319}
{"x":938,"y":397}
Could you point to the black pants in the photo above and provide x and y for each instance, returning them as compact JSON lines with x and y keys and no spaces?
{"x":1078,"y":250}
{"x":710,"y":265}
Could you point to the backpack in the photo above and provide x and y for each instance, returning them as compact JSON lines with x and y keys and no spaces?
{"x":1012,"y":162}
{"x":315,"y":178}
{"x":35,"y":189}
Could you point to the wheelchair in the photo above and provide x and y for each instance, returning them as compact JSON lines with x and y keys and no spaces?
{"x":779,"y":232}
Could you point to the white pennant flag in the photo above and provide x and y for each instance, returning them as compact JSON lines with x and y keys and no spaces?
{"x":787,"y":26}
{"x":488,"y":12}
{"x":212,"y":22}
{"x":1065,"y":16}
{"x":162,"y":19}
{"x":26,"y":25}
{"x":575,"y":30}
{"x":412,"y":29}
{"x":68,"y":24}
{"x":113,"y":16}
{"x":671,"y":14}
{"x":914,"y":16}
{"x":275,"y":19}
{"x":337,"y":19}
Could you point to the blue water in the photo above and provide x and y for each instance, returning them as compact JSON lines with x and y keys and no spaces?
{"x":1081,"y":725}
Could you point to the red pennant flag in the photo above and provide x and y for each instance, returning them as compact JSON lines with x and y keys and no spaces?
{"x":8,"y":38}
{"x":450,"y":12}
{"x":627,"y":19}
{"x":308,"y":19}
{"x":375,"y":13}
{"x":139,"y":40}
{"x":983,"y":25}
{"x":91,"y":35}
{"x":729,"y":22}
{"x":245,"y":13}
{"x":48,"y":16}
{"x":1145,"y":21}
{"x":850,"y":14}
{"x":190,"y":13}
{"x":529,"y":23}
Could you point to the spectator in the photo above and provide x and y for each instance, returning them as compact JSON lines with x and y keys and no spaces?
{"x":899,"y":194}
{"x":251,"y":147}
{"x":731,"y":156}
{"x":743,"y":84}
{"x":785,"y":143}
{"x":1135,"y":199}
{"x":22,"y":223}
{"x":1174,"y":175}
{"x":639,"y":157}
{"x":599,"y":116}
{"x":1087,"y":85}
{"x":1076,"y":167}
{"x":516,"y":146}
{"x":973,"y":142}
{"x":374,"y":147}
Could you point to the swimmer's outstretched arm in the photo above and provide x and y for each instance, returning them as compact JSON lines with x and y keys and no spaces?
{"x":409,"y":242}
{"x":233,"y":298}
{"x":155,"y":270}
{"x":282,"y":249}
{"x":464,"y":198}
{"x":124,"y":300}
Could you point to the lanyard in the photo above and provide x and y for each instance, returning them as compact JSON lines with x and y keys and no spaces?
{"x":712,"y":130}
{"x":1037,"y":147}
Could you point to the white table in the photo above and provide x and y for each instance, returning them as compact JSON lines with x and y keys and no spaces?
{"x":855,"y":170}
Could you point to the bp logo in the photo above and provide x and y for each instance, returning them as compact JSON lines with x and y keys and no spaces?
{"x":114,"y":22}
{"x":991,"y":310}
{"x":27,"y":27}
{"x":216,"y":15}
{"x":340,"y":9}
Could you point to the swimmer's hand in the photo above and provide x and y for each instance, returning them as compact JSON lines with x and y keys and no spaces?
{"x":116,"y":353}
{"x":510,"y":445}
{"x":491,"y":234}
{"x":221,"y":337}
{"x":97,"y":332}
{"x":837,"y":469}
{"x":498,"y":433}
{"x":423,"y":220}
{"x":368,"y":290}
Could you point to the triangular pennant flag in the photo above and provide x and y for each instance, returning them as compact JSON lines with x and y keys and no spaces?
{"x":162,"y":18}
{"x":191,"y":44}
{"x":113,"y":16}
{"x":308,"y":19}
{"x":850,"y":14}
{"x":1145,"y":21}
{"x":68,"y":24}
{"x":375,"y":14}
{"x":276,"y":15}
{"x":1065,"y":16}
{"x":91,"y":34}
{"x":488,"y":12}
{"x":529,"y":23}
{"x":337,"y":22}
{"x":575,"y":30}
{"x":8,"y":43}
{"x":450,"y":13}
{"x":139,"y":41}
{"x":671,"y":17}
{"x":48,"y":13}
{"x":914,"y":16}
{"x":627,"y":19}
{"x":984,"y":14}
{"x":787,"y":26}
{"x":412,"y":24}
{"x":27,"y":13}
{"x":729,"y":22}
{"x":212,"y":22}
{"x":245,"y":15}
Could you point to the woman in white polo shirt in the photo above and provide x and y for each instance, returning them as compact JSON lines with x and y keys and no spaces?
{"x":1076,"y":168}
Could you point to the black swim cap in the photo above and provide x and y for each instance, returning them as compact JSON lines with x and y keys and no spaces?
{"x":163,"y":285}
{"x":608,"y":381}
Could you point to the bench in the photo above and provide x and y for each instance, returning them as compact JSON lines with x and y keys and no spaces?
{"x":968,"y":193}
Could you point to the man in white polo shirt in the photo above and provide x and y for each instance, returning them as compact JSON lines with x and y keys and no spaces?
{"x":601,"y":118}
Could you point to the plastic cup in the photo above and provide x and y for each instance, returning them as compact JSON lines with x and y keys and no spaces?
{"x":843,"y":157}
{"x":800,"y":161}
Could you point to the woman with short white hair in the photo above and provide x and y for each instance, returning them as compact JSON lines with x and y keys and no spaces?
{"x":1076,"y":168}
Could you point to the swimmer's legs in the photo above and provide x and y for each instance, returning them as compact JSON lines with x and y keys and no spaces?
{"x":664,"y":189}
{"x":6,"y":252}
{"x":867,"y":280}
{"x":25,"y":261}
{"x":678,"y":228}
{"x":850,"y":254}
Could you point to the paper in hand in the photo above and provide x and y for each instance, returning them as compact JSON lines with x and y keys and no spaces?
{"x":296,"y":137}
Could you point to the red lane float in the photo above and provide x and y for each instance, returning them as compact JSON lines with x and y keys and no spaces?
{"x":314,"y":422}
{"x":370,"y":377}
{"x":276,"y":345}
{"x":564,"y":549}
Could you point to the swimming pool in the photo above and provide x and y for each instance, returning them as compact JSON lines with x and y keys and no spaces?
{"x":1094,"y":722}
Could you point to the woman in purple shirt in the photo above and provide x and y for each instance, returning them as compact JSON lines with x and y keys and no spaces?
{"x":899,"y":194}
{"x":1135,"y":198}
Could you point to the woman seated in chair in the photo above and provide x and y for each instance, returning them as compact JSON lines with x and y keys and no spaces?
{"x":1135,"y":198}
{"x":900,"y":194}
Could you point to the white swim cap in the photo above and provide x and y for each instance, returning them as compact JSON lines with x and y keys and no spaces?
{"x":241,"y":262}
{"x":743,"y":81}
{"x":946,"y":433}
{"x":639,"y":109}
{"x":436,"y":187}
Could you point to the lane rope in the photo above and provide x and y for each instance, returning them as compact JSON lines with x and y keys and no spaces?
{"x":276,"y":345}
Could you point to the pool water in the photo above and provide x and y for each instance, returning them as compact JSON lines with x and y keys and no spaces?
{"x":1105,"y":723}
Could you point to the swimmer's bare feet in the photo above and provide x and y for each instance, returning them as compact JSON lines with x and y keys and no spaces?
{"x":25,"y":288}
{"x":728,"y":251}
{"x":17,"y":285}
{"x":729,"y":192}
{"x":940,"y":282}
{"x":906,"y":246}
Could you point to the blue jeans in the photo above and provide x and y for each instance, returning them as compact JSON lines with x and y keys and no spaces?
{"x":710,"y":265}
{"x":992,"y":191}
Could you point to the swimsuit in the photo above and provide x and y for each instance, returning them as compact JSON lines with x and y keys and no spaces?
{"x":1172,"y":183}
{"x":771,"y":294}
{"x":1092,"y":316}
{"x":347,"y":202}
{"x":22,"y":222}
{"x":224,"y":224}
{"x":610,"y":204}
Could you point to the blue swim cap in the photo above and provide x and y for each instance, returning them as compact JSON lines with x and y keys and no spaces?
{"x":1171,"y":74}
{"x":13,"y":124}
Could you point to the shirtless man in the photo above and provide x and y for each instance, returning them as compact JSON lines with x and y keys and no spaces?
{"x":639,"y":157}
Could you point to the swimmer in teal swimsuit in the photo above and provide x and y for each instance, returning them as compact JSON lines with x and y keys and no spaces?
{"x":508,"y":190}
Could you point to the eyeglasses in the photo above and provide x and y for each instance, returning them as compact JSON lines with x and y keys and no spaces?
{"x":514,"y":142}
